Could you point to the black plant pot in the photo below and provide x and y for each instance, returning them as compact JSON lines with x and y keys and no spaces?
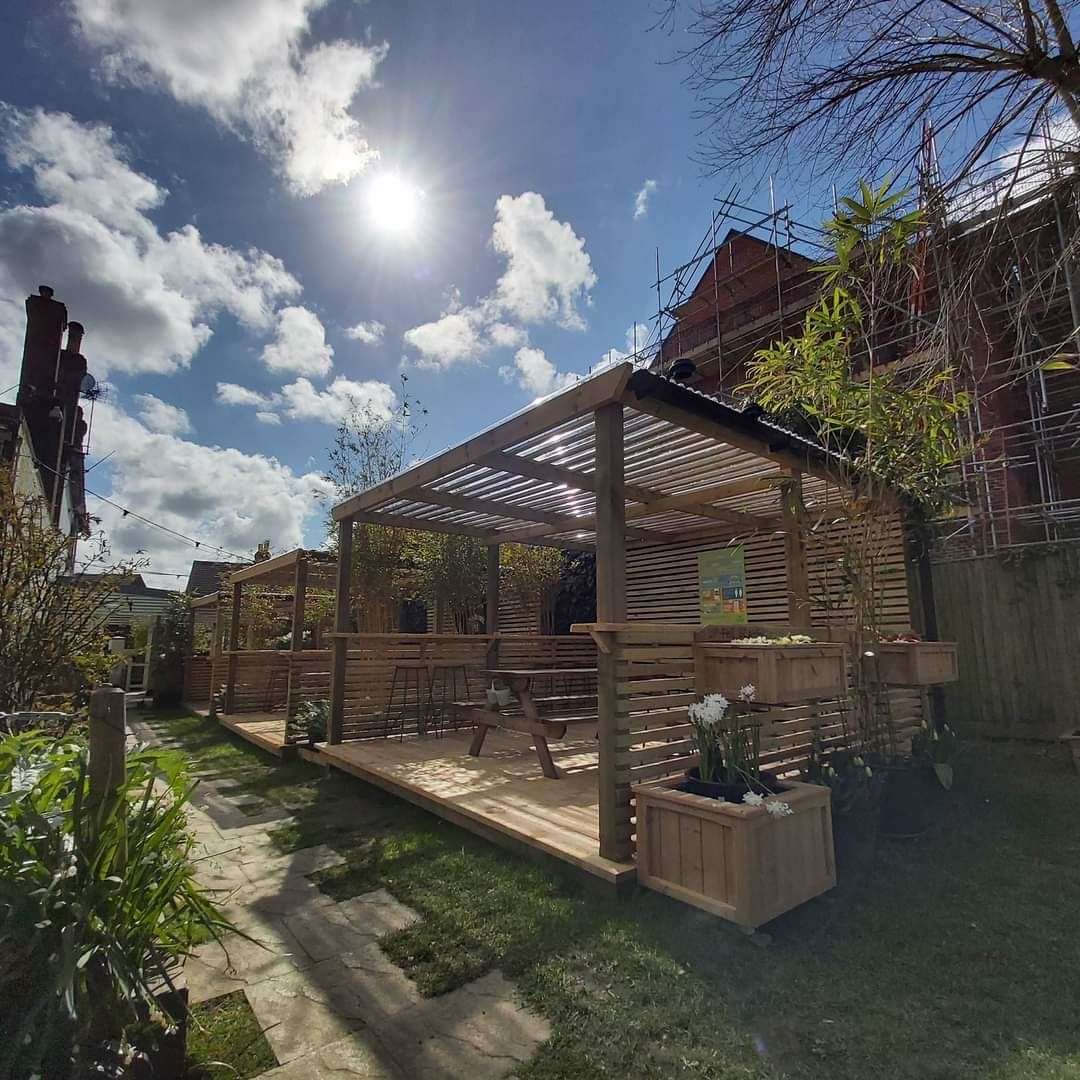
{"x":767,"y":785}
{"x":910,"y":800}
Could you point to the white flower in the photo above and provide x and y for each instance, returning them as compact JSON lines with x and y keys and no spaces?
{"x":748,"y":692}
{"x":752,"y":798}
{"x":778,"y":808}
{"x":709,"y":712}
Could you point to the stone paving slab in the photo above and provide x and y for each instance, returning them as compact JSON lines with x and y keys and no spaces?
{"x":378,"y":913}
{"x":296,"y":1015}
{"x":353,"y":1056}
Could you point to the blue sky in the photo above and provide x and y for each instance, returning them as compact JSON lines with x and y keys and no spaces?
{"x":194,"y":180}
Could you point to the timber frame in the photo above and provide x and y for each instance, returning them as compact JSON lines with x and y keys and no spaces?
{"x":623,"y":458}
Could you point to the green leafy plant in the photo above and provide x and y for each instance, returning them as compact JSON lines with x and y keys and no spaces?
{"x":98,"y":901}
{"x":729,"y":750}
{"x":312,"y":719}
{"x":939,"y":747}
{"x":845,"y":773}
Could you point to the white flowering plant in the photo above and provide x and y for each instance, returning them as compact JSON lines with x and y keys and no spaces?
{"x":783,"y":639}
{"x":727,"y":752}
{"x":939,"y":746}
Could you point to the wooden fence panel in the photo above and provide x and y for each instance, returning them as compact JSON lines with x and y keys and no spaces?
{"x":199,"y":678}
{"x":1015,"y":624}
{"x":262,"y":680}
{"x":372,"y":658}
{"x":655,"y":685}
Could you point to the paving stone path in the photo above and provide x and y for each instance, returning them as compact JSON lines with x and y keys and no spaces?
{"x":329,"y":999}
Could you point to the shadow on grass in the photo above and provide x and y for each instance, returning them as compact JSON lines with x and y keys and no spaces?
{"x":956,"y":956}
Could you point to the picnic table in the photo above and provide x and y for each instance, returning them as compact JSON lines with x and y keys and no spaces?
{"x":520,"y":682}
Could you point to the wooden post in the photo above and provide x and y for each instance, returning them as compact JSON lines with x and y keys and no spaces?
{"x":107,"y":733}
{"x":234,"y":644}
{"x":491,"y":621}
{"x":299,"y":601}
{"x":610,"y":608}
{"x":342,"y":605}
{"x":798,"y":584}
{"x":189,"y":653}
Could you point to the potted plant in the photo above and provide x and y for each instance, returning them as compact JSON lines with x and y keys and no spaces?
{"x":314,"y":718}
{"x":1072,"y":743}
{"x":784,"y":669}
{"x":747,"y":858}
{"x":911,"y":798}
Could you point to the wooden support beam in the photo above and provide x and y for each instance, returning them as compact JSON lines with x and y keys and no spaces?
{"x":610,"y":607}
{"x":792,"y":514}
{"x":396,"y":521}
{"x":299,"y":603}
{"x":538,"y":534}
{"x":340,"y":647}
{"x":491,"y":594}
{"x":576,"y":401}
{"x":234,"y":644}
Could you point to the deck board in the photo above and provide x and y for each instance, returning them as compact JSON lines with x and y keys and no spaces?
{"x":262,"y":729}
{"x":501,"y":795}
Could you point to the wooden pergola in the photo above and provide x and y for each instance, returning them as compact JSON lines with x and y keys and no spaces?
{"x":623,"y":458}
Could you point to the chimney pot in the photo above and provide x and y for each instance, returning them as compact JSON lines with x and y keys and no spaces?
{"x":46,"y":291}
{"x":75,"y":336}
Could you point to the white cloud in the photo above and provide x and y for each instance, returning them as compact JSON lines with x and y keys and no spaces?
{"x":637,"y":338}
{"x":641,"y":199}
{"x":455,"y":337}
{"x":367,"y":333}
{"x":299,"y":344}
{"x":271,"y":418}
{"x":303,"y":402}
{"x":505,"y":336}
{"x":231,"y":394}
{"x":534,"y":372}
{"x":249,"y":64}
{"x":148,"y":299}
{"x":548,"y":270}
{"x":547,"y":278}
{"x":162,"y":417}
{"x":218,"y":495}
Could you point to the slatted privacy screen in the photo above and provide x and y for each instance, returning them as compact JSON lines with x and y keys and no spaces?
{"x":197,"y":682}
{"x":261,"y":681}
{"x":373,"y":658}
{"x":662,"y":580}
{"x":655,"y":686}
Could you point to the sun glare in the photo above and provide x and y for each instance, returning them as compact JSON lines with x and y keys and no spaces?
{"x":394,"y":202}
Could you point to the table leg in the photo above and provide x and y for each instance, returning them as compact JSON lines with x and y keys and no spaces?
{"x":544,"y":754}
{"x":477,"y":744}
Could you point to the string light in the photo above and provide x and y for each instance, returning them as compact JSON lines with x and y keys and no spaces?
{"x":126,"y":511}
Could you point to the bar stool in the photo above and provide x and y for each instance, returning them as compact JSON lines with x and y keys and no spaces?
{"x":408,"y":675}
{"x":447,"y":672}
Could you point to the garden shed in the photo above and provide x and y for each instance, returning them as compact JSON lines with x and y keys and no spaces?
{"x":707,"y":521}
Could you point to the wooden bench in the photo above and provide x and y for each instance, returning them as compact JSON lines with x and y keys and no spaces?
{"x":541,"y":728}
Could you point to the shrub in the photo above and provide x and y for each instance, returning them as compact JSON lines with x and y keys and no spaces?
{"x":98,"y":901}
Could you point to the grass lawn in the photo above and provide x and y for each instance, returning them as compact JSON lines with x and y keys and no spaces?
{"x":955,"y":956}
{"x":225,"y":1041}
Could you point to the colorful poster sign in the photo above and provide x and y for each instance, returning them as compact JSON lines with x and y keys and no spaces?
{"x":722,"y":584}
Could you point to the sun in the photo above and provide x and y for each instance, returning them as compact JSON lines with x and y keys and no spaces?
{"x":394,"y":202}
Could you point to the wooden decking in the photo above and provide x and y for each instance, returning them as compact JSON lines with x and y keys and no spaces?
{"x":502,"y":795}
{"x":266,"y":730}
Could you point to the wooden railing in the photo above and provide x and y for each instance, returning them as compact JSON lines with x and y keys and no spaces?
{"x":372,"y":659}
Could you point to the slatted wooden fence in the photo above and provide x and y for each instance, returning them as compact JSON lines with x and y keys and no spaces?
{"x":261,"y":682}
{"x":372,"y":659}
{"x":654,"y":686}
{"x":197,"y":680}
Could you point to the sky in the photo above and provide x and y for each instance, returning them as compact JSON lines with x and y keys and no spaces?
{"x":262,"y":210}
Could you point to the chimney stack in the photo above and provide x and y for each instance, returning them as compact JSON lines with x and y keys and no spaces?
{"x":45,"y":322}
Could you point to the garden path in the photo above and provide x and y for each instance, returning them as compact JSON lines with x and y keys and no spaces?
{"x":330,"y":1001}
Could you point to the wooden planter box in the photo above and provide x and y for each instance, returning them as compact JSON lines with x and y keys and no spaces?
{"x":912,"y":663}
{"x":781,"y":674}
{"x":736,"y":861}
